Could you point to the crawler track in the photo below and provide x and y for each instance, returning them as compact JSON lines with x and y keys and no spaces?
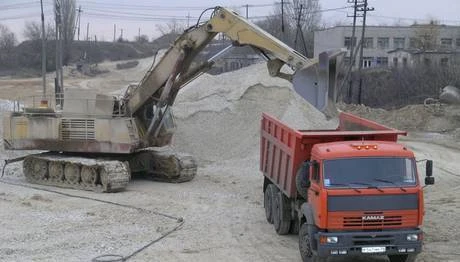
{"x":77,"y":172}
{"x":165,"y":165}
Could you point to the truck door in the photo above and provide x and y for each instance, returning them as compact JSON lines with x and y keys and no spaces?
{"x":314,"y":190}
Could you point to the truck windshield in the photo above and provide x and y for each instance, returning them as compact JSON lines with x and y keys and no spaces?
{"x":369,"y":172}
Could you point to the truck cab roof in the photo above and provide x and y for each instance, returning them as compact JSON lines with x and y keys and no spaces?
{"x":346,"y":149}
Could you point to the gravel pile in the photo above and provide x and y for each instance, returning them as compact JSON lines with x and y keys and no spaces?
{"x":218,"y":117}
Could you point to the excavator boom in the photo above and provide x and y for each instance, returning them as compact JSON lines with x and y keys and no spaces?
{"x":160,"y":85}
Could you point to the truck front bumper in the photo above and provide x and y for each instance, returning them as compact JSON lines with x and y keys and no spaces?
{"x":369,"y":243}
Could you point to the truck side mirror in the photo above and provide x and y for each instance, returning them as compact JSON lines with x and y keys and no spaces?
{"x":429,"y":168}
{"x":429,"y":179}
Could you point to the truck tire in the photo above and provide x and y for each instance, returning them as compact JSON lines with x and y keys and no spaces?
{"x":305,"y":246}
{"x":268,"y":202}
{"x":281,"y":214}
{"x":300,"y":182}
{"x":402,"y":258}
{"x":295,"y":225}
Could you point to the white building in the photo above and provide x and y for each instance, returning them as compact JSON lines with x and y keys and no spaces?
{"x":400,"y":58}
{"x":379,"y":40}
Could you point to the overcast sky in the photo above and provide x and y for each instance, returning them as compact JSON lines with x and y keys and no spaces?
{"x":145,"y":14}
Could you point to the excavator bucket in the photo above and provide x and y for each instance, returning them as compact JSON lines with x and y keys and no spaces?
{"x":316,"y":83}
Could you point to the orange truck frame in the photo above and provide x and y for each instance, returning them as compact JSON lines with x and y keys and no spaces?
{"x":349,"y":191}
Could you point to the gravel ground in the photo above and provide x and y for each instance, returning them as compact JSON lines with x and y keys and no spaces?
{"x":222,"y":207}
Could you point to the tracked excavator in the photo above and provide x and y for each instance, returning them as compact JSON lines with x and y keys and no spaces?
{"x":96,"y":142}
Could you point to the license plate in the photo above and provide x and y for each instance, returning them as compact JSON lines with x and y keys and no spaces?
{"x":373,"y":249}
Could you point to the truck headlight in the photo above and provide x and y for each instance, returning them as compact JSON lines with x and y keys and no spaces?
{"x":332,"y":240}
{"x":412,"y":237}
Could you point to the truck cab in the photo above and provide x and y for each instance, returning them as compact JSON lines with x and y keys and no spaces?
{"x":349,"y":191}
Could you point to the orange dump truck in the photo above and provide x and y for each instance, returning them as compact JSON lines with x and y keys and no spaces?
{"x":349,"y":191}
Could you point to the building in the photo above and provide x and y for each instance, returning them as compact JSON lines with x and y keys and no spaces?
{"x":380,"y":40}
{"x":400,"y":58}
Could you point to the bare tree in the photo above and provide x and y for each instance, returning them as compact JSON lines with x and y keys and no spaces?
{"x":295,"y":24}
{"x":7,"y":43}
{"x":142,"y":39}
{"x":7,"y":39}
{"x":173,"y":27}
{"x":67,"y":14}
{"x":427,"y":36}
{"x":33,"y":31}
{"x":171,"y":30}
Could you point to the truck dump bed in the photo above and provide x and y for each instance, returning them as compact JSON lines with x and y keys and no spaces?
{"x":283,"y":149}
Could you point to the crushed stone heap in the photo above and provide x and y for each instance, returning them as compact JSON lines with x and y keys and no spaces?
{"x":218,"y":117}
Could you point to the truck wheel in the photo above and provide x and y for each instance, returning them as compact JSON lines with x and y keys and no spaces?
{"x":301,"y":184}
{"x":402,"y":258}
{"x":268,"y":202}
{"x":294,"y":228}
{"x":281,"y":214}
{"x":305,"y":244}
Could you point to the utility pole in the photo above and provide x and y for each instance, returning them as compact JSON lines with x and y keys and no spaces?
{"x":363,"y":9}
{"x":352,"y":46}
{"x":59,"y":82}
{"x":121,"y":37}
{"x":282,"y":16}
{"x":247,"y":11}
{"x":43,"y":54}
{"x":298,"y":26}
{"x":114,"y":32}
{"x":87,"y":32}
{"x":188,"y":20}
{"x":78,"y":20}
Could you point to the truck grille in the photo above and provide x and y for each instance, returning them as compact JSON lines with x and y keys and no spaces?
{"x":372,"y":219}
{"x":77,"y":129}
{"x":373,"y":222}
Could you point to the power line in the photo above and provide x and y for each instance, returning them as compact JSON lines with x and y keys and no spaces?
{"x":133,"y":18}
{"x":22,"y":5}
{"x":117,"y":13}
{"x":22,"y":16}
{"x":164,"y":7}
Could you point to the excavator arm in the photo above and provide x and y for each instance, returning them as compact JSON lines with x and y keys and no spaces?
{"x":157,"y":91}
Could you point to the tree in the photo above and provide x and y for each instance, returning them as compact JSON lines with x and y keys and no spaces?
{"x":7,"y":39}
{"x":65,"y":17}
{"x":33,"y":31}
{"x":171,"y":30}
{"x":142,"y":39}
{"x":427,"y":36}
{"x":173,"y":27}
{"x":295,"y":26}
{"x":7,"y":43}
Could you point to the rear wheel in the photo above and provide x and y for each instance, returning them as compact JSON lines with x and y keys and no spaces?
{"x":402,"y":258}
{"x":301,"y":182}
{"x":281,"y":213}
{"x":294,"y":228}
{"x":305,"y":245}
{"x":268,"y":202}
